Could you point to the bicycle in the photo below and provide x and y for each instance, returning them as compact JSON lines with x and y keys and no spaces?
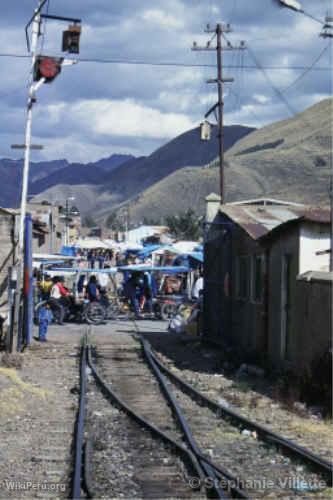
{"x":92,"y":313}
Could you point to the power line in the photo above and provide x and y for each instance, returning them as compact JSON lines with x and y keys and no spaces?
{"x":300,"y":77}
{"x":176,"y":64}
{"x":276,"y":90}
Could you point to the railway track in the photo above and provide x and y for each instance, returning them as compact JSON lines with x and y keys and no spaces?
{"x":161,"y":437}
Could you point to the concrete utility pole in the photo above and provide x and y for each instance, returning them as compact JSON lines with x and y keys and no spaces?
{"x":219,"y":32}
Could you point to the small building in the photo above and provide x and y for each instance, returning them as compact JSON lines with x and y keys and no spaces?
{"x":254,"y":252}
{"x":154,"y":234}
{"x":48,"y":227}
{"x":8,"y":254}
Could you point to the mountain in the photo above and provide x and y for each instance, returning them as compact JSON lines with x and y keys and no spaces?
{"x":46,"y":174}
{"x":113,"y":162}
{"x":288,"y":160}
{"x":11,"y":177}
{"x":185,"y":150}
{"x":98,"y":189}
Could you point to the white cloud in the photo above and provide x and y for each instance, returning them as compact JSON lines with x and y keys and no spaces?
{"x":132,"y":119}
{"x":121,"y":118}
{"x":262,"y":99}
{"x":162,"y":19}
{"x":77,"y":150}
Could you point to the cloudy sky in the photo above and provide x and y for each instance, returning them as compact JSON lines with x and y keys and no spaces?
{"x":95,"y":109}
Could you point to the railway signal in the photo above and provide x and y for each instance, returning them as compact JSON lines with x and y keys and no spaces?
{"x":44,"y":70}
{"x":47,"y":67}
{"x":71,"y":39}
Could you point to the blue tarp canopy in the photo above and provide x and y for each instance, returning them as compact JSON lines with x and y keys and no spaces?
{"x":161,"y":269}
{"x":112,"y":270}
{"x":193,"y":259}
{"x":198,"y":256}
{"x":49,"y":262}
{"x":148,"y":250}
{"x":68,"y":251}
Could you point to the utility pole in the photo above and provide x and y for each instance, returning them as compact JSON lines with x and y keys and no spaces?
{"x":219,"y":32}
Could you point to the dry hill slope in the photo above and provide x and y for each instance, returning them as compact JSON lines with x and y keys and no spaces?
{"x":288,"y":160}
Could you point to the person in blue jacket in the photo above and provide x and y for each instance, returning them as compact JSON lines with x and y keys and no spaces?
{"x":45,"y":317}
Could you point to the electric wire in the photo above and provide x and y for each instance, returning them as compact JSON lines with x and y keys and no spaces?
{"x":276,"y":90}
{"x":175,"y":64}
{"x":312,"y":17}
{"x":310,"y":68}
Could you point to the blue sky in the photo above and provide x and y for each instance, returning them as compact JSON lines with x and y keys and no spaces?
{"x":93,"y":110}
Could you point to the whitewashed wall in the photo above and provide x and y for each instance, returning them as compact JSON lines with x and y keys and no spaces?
{"x":313,"y":238}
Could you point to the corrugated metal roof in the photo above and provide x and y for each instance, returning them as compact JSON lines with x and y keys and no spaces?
{"x":9,"y":211}
{"x":259,"y":221}
{"x":266,"y":201}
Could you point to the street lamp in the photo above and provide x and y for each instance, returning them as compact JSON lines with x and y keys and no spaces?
{"x":297,"y":6}
{"x":291,"y":4}
{"x":327,"y":32}
{"x":70,"y":198}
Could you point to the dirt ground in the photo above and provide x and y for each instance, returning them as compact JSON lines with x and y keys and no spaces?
{"x":253,"y":396}
{"x":38,"y":402}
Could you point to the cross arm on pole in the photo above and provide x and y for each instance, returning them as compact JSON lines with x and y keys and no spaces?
{"x":211,"y":110}
{"x":61,"y":18}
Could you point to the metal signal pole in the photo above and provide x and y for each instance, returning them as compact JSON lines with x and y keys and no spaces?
{"x":20,"y":251}
{"x":219,"y":31}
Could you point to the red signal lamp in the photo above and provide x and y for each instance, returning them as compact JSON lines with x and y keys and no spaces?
{"x":47,"y":67}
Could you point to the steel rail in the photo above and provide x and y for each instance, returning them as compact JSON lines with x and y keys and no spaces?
{"x":186,"y":454}
{"x":79,"y":427}
{"x":87,"y":468}
{"x":321,"y":465}
{"x":209,"y":468}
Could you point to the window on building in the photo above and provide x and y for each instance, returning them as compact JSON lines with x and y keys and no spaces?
{"x":257,"y":278}
{"x":243,"y":277}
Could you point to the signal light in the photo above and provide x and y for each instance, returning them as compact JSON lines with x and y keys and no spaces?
{"x":47,"y":67}
{"x":71,"y":39}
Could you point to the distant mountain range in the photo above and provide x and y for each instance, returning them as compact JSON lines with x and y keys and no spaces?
{"x":46,"y":174}
{"x":101,"y":186}
{"x":288,"y":160}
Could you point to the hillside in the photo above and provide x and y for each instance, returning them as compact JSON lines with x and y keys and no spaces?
{"x":110,"y":188}
{"x":185,"y":150}
{"x":287,"y":160}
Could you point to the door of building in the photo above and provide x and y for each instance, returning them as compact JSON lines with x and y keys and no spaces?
{"x":285,"y":304}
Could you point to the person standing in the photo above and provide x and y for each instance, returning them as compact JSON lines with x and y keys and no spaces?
{"x":101,"y":259}
{"x":198,"y":286}
{"x":45,"y":317}
{"x":131,"y":289}
{"x":92,"y":290}
{"x":91,"y":259}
